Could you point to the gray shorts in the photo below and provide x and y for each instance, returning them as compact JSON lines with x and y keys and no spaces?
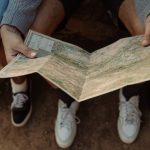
{"x":142,"y":9}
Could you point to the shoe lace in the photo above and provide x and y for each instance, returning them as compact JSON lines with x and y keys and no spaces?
{"x":68,"y":117}
{"x":129,"y":113}
{"x":18,"y":100}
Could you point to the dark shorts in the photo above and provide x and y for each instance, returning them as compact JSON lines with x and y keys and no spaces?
{"x":113,"y":5}
{"x":70,"y":6}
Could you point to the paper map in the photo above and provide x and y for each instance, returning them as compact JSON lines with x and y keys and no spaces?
{"x":81,"y":74}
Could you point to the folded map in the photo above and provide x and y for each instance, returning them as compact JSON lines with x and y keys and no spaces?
{"x":81,"y":74}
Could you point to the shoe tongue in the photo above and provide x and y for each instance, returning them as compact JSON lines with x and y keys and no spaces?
{"x":65,"y":107}
{"x":134,"y":100}
{"x":62,"y":104}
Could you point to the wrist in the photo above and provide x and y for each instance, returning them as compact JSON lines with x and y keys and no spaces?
{"x":10,"y":29}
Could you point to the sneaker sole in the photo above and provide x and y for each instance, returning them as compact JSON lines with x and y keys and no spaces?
{"x":24,"y":121}
{"x":59,"y":142}
{"x":62,"y":144}
{"x":123,"y":139}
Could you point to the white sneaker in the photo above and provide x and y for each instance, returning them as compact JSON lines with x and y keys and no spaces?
{"x":66,"y":124}
{"x":129,"y":118}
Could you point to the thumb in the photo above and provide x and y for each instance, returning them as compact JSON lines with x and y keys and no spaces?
{"x":146,"y":39}
{"x":28,"y":52}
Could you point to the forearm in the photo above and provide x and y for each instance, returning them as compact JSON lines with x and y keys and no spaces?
{"x":21,"y":14}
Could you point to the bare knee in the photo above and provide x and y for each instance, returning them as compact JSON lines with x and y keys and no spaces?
{"x":49,"y":16}
{"x":128,"y":16}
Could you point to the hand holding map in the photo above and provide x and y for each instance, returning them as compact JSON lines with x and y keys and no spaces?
{"x":81,"y":74}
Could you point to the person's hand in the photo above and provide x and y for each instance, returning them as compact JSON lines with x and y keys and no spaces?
{"x":146,"y":40}
{"x":13,"y":43}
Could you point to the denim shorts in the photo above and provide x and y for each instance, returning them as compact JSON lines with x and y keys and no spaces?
{"x":3,"y":6}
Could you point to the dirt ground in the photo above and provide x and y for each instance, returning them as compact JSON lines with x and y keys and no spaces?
{"x":91,"y":29}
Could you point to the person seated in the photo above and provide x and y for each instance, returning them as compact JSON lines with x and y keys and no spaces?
{"x":134,"y":14}
{"x":44,"y":17}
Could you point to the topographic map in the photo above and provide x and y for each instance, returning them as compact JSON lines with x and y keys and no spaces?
{"x":80,"y":74}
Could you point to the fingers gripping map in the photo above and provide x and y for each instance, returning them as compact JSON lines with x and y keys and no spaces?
{"x":80,"y":74}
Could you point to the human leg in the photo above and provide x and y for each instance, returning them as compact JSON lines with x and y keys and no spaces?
{"x":66,"y":121}
{"x":21,"y":93}
{"x":50,"y":15}
{"x":129,"y":113}
{"x":20,"y":84}
{"x":15,"y":83}
{"x":21,"y":103}
{"x":128,"y":15}
{"x":21,"y":106}
{"x":65,"y":125}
